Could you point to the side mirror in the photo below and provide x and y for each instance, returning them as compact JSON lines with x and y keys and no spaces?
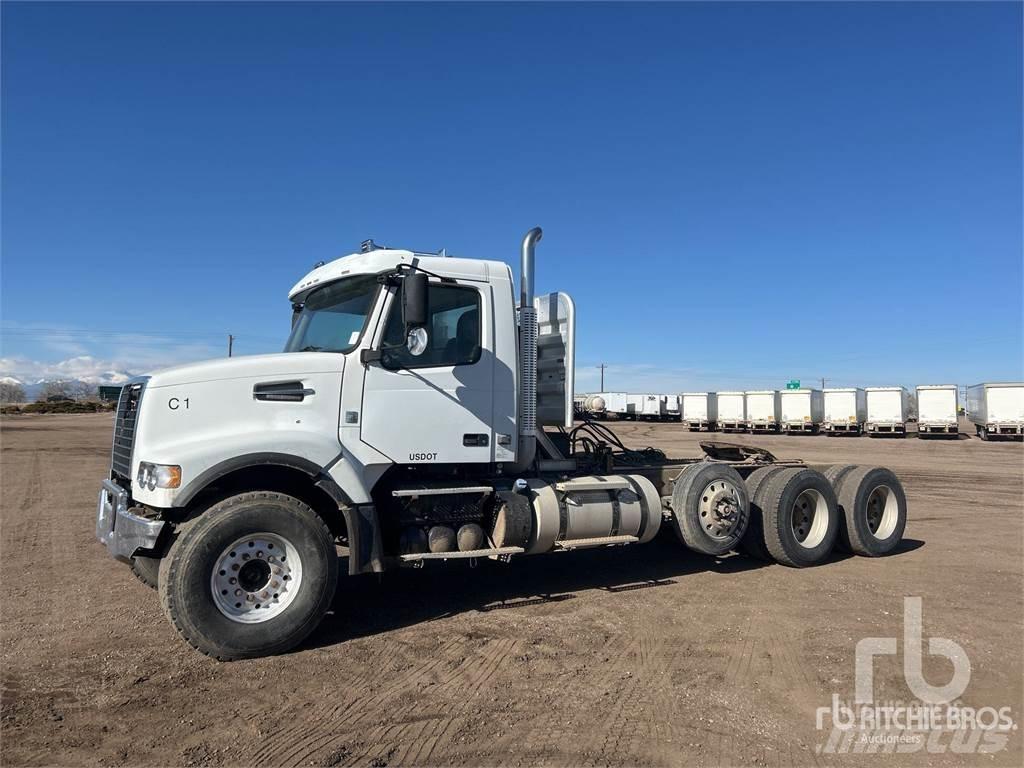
{"x":414,"y":300}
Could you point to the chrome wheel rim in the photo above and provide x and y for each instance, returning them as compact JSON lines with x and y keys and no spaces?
{"x":810,"y":518}
{"x":256,"y":578}
{"x":882,"y":512}
{"x":720,"y":509}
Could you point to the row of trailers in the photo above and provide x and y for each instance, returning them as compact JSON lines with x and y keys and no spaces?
{"x":997,"y":410}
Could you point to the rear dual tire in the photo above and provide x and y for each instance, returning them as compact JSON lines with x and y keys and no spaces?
{"x":800,"y":517}
{"x":873,"y":506}
{"x":710,"y":508}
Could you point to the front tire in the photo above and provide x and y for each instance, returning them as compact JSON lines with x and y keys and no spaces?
{"x":146,"y":570}
{"x":252,"y":576}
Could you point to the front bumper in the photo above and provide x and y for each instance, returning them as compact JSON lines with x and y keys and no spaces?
{"x":122,"y":532}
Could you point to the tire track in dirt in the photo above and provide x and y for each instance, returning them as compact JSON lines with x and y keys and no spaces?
{"x":334,"y":724}
{"x":312,"y":724}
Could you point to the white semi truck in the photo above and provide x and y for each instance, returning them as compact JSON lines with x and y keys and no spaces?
{"x":937,"y":410}
{"x":405,"y":422}
{"x":699,"y":411}
{"x":803,"y":411}
{"x":888,"y":411}
{"x":764,"y":410}
{"x":846,"y":410}
{"x":997,"y":409}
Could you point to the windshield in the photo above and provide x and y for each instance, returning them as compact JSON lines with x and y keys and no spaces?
{"x":333,"y":317}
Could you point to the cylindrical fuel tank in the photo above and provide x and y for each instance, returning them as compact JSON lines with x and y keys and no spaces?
{"x":592,"y":507}
{"x":594,"y":404}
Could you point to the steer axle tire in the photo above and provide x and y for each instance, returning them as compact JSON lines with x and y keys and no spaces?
{"x":146,"y":570}
{"x":251,"y":576}
{"x":801,"y":517}
{"x":710,"y":508}
{"x":873,"y":509}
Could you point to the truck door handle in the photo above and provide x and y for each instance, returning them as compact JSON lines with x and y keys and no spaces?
{"x":474,"y":440}
{"x":283,"y":391}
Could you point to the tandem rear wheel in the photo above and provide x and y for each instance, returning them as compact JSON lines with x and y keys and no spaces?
{"x":710,"y":508}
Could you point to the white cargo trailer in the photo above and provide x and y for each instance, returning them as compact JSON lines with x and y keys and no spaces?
{"x":764,"y":410}
{"x":700,"y":411}
{"x":803,"y":410}
{"x":846,"y":410}
{"x":652,"y":407}
{"x":732,"y":411}
{"x":888,"y":411}
{"x":673,"y":408}
{"x":634,"y":406}
{"x":937,"y":409}
{"x":615,"y":404}
{"x":997,"y":409}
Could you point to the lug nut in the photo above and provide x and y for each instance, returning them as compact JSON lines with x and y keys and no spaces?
{"x":238,"y":593}
{"x":232,"y":580}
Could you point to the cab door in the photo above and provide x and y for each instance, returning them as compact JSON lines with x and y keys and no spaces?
{"x":435,"y":407}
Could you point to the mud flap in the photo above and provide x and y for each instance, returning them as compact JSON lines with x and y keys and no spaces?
{"x":364,"y":545}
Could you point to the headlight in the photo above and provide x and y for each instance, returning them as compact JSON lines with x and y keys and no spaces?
{"x":152,"y":476}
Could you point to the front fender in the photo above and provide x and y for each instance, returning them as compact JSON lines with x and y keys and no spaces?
{"x":203,"y":461}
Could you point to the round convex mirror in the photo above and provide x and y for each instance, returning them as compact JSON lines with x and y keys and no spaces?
{"x":416,"y":341}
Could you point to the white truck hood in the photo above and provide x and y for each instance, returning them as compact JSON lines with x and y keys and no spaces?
{"x":248,"y":366}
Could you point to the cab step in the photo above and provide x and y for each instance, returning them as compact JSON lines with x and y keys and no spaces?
{"x":600,"y":541}
{"x":407,"y":492}
{"x":468,"y":554}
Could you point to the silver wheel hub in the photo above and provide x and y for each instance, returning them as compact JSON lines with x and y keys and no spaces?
{"x":882,"y":512}
{"x":810,"y":518}
{"x":720,"y":509}
{"x":256,"y":578}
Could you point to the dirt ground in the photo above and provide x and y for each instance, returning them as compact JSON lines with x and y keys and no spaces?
{"x":634,"y":656}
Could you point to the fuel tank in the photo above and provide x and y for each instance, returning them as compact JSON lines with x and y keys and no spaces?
{"x":592,"y":507}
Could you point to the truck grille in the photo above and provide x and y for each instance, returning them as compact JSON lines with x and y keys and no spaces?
{"x":124,"y":429}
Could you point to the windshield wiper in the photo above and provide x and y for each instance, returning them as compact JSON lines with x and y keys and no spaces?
{"x":311,"y":348}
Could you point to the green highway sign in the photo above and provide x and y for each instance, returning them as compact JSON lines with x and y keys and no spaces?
{"x":793,"y":384}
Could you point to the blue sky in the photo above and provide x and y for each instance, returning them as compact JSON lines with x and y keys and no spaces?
{"x":734,"y":194}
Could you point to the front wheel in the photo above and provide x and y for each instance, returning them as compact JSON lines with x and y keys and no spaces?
{"x":252,"y":576}
{"x":146,"y":570}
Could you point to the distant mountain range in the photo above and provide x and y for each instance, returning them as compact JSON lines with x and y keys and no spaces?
{"x":33,"y":388}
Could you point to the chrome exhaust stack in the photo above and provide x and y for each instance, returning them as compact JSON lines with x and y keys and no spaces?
{"x":527,"y":449}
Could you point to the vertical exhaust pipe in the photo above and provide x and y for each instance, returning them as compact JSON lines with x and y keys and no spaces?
{"x":526,"y":266}
{"x":527,"y":450}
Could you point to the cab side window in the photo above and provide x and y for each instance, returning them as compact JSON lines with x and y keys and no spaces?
{"x":453,"y":328}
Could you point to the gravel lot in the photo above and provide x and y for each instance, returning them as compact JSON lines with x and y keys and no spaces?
{"x":637,"y":656}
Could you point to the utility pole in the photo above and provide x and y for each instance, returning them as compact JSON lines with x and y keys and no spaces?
{"x":602,"y":366}
{"x":231,"y":343}
{"x":822,"y":382}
